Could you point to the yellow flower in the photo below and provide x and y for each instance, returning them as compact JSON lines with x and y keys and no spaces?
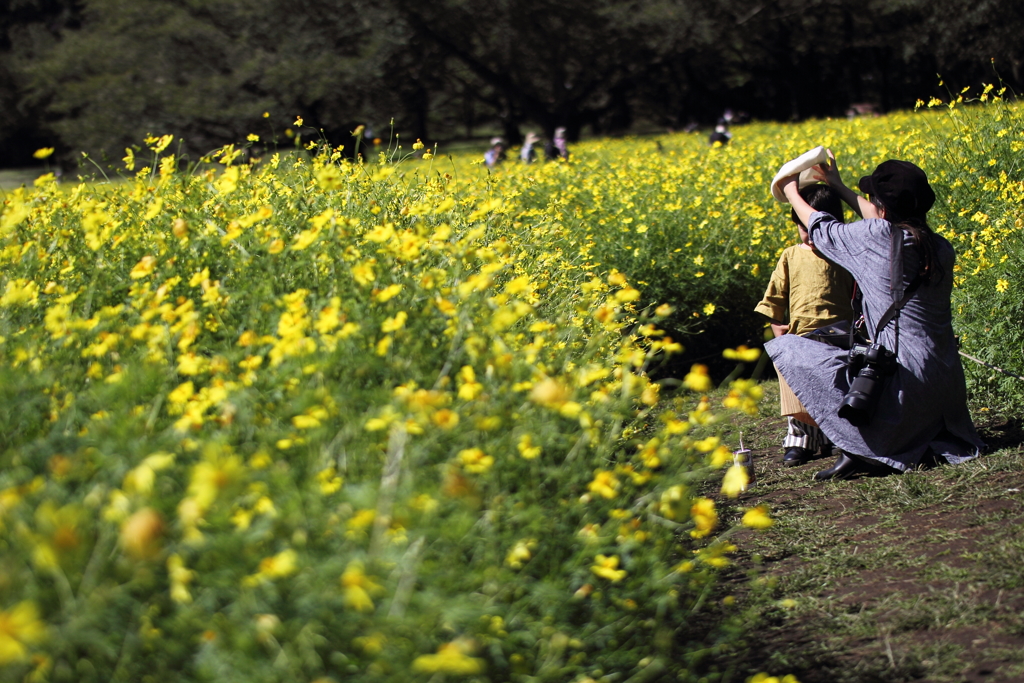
{"x":604,"y":484}
{"x":735,"y":481}
{"x":672,"y":501}
{"x":709,"y":308}
{"x":159,"y":144}
{"x":607,"y":568}
{"x":720,"y":457}
{"x":20,"y":291}
{"x":363,"y":272}
{"x":140,"y":534}
{"x":305,"y":422}
{"x":217,"y":472}
{"x":180,"y":577}
{"x":1002,"y":285}
{"x":526,"y":448}
{"x":707,"y":445}
{"x":757,"y":518}
{"x":550,"y":392}
{"x":182,"y":393}
{"x":394,"y":323}
{"x":742,"y":353}
{"x":697,"y":379}
{"x":358,"y":587}
{"x":329,"y":480}
{"x":20,"y":628}
{"x":765,"y":678}
{"x":43,"y":152}
{"x":475,"y":460}
{"x":451,"y":658}
{"x":388,"y":293}
{"x":285,"y":563}
{"x":445,"y":418}
{"x":705,"y":519}
{"x":715,"y":554}
{"x":521,"y":553}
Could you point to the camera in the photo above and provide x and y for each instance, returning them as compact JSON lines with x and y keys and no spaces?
{"x":872,"y":363}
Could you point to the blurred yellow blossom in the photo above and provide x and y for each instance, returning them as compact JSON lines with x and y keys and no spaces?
{"x":697,"y":379}
{"x":607,"y":568}
{"x":357,"y":588}
{"x":451,"y":658}
{"x":604,"y":484}
{"x":705,"y":518}
{"x":757,"y":518}
{"x":475,"y":460}
{"x":735,"y":481}
{"x":20,"y":629}
{"x":742,"y":353}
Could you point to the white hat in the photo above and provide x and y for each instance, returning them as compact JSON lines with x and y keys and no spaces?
{"x":804,"y":165}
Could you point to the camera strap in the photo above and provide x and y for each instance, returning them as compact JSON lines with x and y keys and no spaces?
{"x":900,"y":295}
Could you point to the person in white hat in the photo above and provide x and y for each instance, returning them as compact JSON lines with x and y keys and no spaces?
{"x":496,"y":154}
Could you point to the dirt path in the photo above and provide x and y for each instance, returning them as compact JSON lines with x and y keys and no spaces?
{"x":917,"y":576}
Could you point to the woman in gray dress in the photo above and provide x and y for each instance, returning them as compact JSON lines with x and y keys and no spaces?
{"x":922,"y":406}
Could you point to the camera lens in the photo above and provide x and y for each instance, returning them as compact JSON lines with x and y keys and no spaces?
{"x":860,"y":399}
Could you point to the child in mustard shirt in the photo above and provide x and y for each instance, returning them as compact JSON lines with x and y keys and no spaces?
{"x":806,"y":292}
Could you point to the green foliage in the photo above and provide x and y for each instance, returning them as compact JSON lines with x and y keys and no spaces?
{"x":307,"y":418}
{"x":983,"y":181}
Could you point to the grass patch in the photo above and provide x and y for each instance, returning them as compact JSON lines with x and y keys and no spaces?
{"x":892,"y":578}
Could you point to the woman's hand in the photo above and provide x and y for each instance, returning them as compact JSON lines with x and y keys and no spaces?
{"x":828,"y":173}
{"x":787,"y":182}
{"x":779,"y":330}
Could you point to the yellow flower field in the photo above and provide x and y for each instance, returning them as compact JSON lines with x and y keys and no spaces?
{"x":294,"y":418}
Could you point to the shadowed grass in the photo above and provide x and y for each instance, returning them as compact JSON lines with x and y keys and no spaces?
{"x":893,"y":578}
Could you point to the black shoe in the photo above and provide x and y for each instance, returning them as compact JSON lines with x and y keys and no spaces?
{"x":795,"y":456}
{"x":844,"y":468}
{"x":826,"y":451}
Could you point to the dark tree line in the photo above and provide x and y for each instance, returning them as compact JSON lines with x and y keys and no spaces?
{"x":98,"y":75}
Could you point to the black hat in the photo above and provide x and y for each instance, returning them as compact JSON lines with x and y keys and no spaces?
{"x":901,"y":187}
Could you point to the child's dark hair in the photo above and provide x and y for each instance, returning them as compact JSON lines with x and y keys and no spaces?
{"x":821,"y":198}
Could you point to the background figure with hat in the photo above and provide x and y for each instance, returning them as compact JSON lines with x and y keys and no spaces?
{"x":806,"y":292}
{"x":557,"y":147}
{"x":528,"y":154}
{"x":720,"y":134}
{"x":495,"y":153}
{"x":908,"y":401}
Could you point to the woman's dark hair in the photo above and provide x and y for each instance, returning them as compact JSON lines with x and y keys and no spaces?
{"x":821,"y":198}
{"x":921,"y":235}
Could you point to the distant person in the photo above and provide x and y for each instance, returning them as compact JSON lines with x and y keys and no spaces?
{"x":529,"y":152}
{"x":721,"y":135}
{"x":557,"y":147}
{"x":496,"y":153}
{"x":806,"y":293}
